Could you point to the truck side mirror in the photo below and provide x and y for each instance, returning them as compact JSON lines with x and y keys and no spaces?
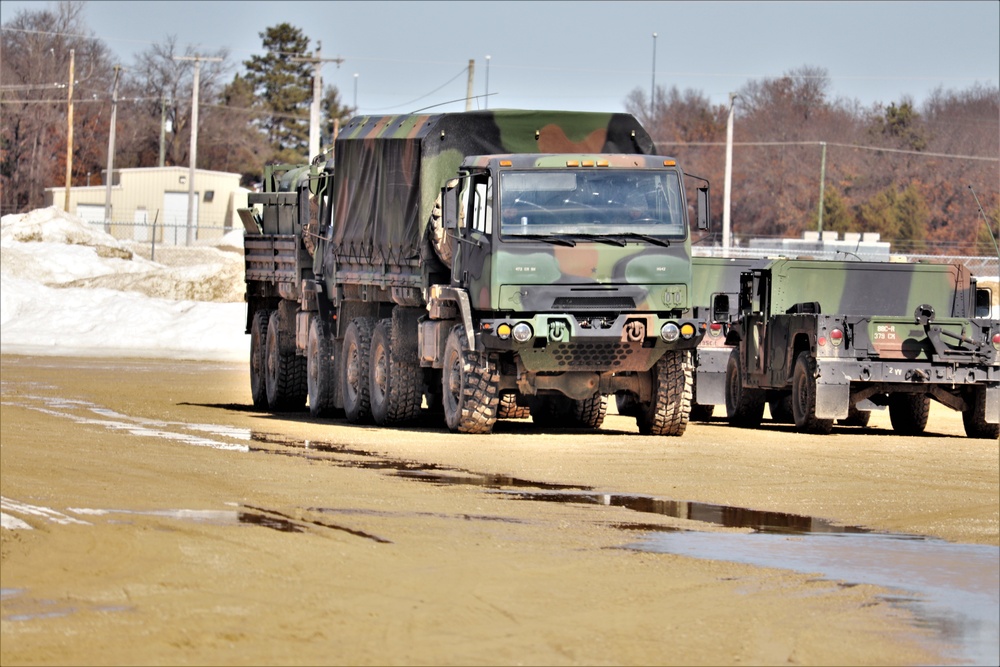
{"x":704,"y":215}
{"x":449,"y":203}
{"x":720,"y":308}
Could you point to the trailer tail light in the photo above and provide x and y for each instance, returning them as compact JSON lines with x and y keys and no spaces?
{"x":836,"y":337}
{"x":715,"y":329}
{"x":996,"y":341}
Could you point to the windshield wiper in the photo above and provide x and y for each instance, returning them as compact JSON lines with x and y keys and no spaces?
{"x":655,"y":240}
{"x":548,"y":238}
{"x":600,"y":238}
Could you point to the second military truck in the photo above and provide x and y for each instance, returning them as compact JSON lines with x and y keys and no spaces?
{"x":489,"y":264}
{"x":820,"y":341}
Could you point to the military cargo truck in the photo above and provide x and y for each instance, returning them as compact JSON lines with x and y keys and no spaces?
{"x":487,"y":265}
{"x":828,"y":340}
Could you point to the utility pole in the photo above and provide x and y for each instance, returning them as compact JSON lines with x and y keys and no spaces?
{"x":486,"y":99}
{"x":194,"y":140}
{"x":317,"y":63}
{"x":652,"y":86}
{"x":163,"y":128}
{"x":822,"y":183}
{"x":111,"y":152}
{"x":727,"y":188}
{"x":69,"y":131}
{"x":468,"y":88}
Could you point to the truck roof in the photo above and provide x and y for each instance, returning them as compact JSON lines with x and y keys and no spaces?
{"x":390,"y":169}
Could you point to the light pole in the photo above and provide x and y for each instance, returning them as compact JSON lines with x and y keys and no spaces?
{"x":193,"y":156}
{"x":487,"y":98}
{"x":652,"y":86}
{"x":356,"y":92}
{"x":727,"y":188}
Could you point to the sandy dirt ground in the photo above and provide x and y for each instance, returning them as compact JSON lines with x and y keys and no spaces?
{"x":157,"y":519}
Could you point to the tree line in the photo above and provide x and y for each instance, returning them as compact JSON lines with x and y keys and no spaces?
{"x":897,"y":170}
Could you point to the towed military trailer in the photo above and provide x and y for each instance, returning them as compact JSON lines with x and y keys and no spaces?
{"x":832,"y":340}
{"x":485,"y":265}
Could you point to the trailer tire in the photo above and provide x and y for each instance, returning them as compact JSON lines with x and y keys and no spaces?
{"x":356,"y":359}
{"x":508,"y":407}
{"x":804,"y":397}
{"x":669,"y":409}
{"x":286,"y":371}
{"x":974,"y":418}
{"x":320,"y":377}
{"x":908,"y":413}
{"x":470,"y":384}
{"x":396,"y":389}
{"x":258,"y":358}
{"x":744,"y":405}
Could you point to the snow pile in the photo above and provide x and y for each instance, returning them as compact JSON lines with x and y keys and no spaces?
{"x":68,"y":288}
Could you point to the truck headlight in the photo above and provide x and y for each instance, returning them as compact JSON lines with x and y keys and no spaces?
{"x":521,"y":332}
{"x":670,"y":332}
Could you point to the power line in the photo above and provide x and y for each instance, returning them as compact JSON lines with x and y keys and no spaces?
{"x":828,"y":143}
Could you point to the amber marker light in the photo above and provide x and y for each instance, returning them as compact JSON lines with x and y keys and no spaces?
{"x":572,"y":163}
{"x":506,"y":163}
{"x":669,"y":163}
{"x":603,"y":163}
{"x":687,"y":330}
{"x":503,"y":331}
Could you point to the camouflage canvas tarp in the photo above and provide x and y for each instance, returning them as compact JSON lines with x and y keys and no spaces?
{"x":390,"y":169}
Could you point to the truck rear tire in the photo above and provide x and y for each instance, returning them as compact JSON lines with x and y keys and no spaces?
{"x":320,"y":377}
{"x":668,"y":411}
{"x":804,"y":397}
{"x":908,"y":413}
{"x":470,"y":384}
{"x":744,"y":405}
{"x":590,"y":412}
{"x":356,"y":359}
{"x":258,"y":358}
{"x":974,"y":418}
{"x":780,"y":405}
{"x":396,"y":389}
{"x":509,"y":409}
{"x":286,"y":371}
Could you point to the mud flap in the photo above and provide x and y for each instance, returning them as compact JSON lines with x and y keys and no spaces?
{"x":710,"y":378}
{"x":993,"y":404}
{"x":833,"y":401}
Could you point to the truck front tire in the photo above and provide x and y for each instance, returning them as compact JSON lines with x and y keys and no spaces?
{"x":470,"y":384}
{"x":744,"y":405}
{"x":668,"y":411}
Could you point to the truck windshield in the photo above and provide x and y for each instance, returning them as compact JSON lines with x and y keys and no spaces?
{"x":590,"y":202}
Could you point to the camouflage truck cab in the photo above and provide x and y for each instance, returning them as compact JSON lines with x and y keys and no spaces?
{"x":493,"y":264}
{"x":829,"y":340}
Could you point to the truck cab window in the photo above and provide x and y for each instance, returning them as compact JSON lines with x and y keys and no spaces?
{"x":482,"y":204}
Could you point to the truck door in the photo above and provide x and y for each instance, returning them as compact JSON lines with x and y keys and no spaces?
{"x":471,"y":267}
{"x":757,"y":333}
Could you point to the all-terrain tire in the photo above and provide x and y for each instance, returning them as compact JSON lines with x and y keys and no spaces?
{"x":470,"y":384}
{"x":589,"y":413}
{"x":356,"y":356}
{"x":974,"y":418}
{"x":780,"y":405}
{"x":908,"y":413}
{"x":321,"y":381}
{"x":286,"y":371}
{"x":668,"y":411}
{"x":744,"y":405}
{"x":508,"y":407}
{"x":804,"y":397}
{"x":396,"y":387}
{"x":258,"y":358}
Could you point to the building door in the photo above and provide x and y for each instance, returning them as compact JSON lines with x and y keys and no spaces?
{"x":175,"y":209}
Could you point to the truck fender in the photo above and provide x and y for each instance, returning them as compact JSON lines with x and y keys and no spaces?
{"x":460,"y":297}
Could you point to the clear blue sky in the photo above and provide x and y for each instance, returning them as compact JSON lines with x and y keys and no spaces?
{"x":582,"y":55}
